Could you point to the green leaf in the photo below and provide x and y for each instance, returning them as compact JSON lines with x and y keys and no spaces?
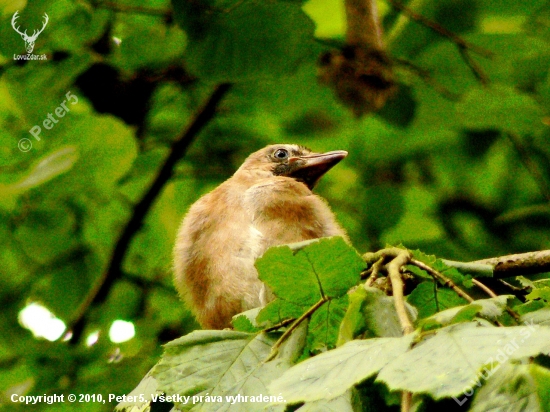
{"x":385,"y":206}
{"x":141,"y":396}
{"x":529,"y":307}
{"x":418,"y":272}
{"x":371,"y":314}
{"x":49,"y":220}
{"x":423,"y":257}
{"x":218,"y":364}
{"x":46,"y":169}
{"x":277,"y":311}
{"x":107,"y":148}
{"x":452,"y":359}
{"x":324,"y":267}
{"x":245,"y":321}
{"x":244,"y":40}
{"x":538,"y":317}
{"x":429,"y":301}
{"x":325,"y":323}
{"x":504,"y":108}
{"x":542,"y":293}
{"x":331,"y":374}
{"x":512,"y":389}
{"x":486,"y":308}
{"x":341,"y":403}
{"x":542,"y":382}
{"x":301,"y":274}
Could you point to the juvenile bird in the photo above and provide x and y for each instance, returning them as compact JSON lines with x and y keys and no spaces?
{"x":267,"y":202}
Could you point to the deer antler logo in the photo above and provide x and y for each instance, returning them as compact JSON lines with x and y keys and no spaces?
{"x":29,"y":40}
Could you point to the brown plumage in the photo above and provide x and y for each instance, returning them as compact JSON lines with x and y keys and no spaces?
{"x":267,"y":202}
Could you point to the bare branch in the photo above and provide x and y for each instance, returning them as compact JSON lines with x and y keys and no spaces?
{"x":521,"y":264}
{"x":394,"y":270}
{"x":363,"y":24}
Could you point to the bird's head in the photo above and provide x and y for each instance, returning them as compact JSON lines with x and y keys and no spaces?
{"x":292,"y":161}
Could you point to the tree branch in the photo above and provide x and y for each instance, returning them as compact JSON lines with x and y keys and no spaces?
{"x":363,"y":24}
{"x":103,"y":285}
{"x":394,"y":270}
{"x":494,"y":295}
{"x":506,"y":266}
{"x":443,"y":278}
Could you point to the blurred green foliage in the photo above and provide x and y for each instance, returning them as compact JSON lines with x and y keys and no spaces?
{"x":450,"y":166}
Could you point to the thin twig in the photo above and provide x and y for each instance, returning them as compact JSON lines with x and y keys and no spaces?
{"x":280,"y":325}
{"x":103,"y":285}
{"x":443,"y":278}
{"x":427,"y":78}
{"x":494,"y":295}
{"x":375,"y":269}
{"x":515,"y":290}
{"x":406,"y":401}
{"x":297,"y":322}
{"x":476,"y":70}
{"x":400,"y":257}
{"x":464,"y":47}
{"x":531,"y":166}
{"x":484,"y":288}
{"x":439,"y":29}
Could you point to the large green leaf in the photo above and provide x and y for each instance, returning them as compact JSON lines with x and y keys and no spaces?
{"x":429,"y":299}
{"x":305,"y":273}
{"x":301,"y":274}
{"x":341,"y":403}
{"x":219,"y":364}
{"x":140,"y":398}
{"x":512,"y":389}
{"x":331,"y":374}
{"x":504,"y":108}
{"x":453,"y":358}
{"x":235,"y":41}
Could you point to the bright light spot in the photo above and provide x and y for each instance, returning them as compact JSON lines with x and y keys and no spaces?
{"x":117,"y":40}
{"x":41,"y":322}
{"x":121,"y":331}
{"x":92,"y":338}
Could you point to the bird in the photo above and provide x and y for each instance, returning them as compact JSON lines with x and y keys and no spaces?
{"x":267,"y":202}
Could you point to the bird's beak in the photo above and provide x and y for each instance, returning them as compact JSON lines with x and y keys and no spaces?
{"x":310,"y":168}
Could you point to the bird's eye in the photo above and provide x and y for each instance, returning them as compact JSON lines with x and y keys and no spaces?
{"x":280,"y":154}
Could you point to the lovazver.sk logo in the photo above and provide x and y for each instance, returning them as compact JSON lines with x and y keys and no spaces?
{"x":29,"y":40}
